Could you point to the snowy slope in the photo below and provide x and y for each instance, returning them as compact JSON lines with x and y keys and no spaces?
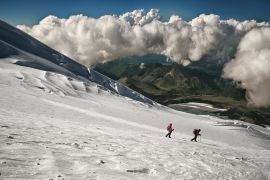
{"x":60,"y":128}
{"x":32,"y":53}
{"x":59,"y":120}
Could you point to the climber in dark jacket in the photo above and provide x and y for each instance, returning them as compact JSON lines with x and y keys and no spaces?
{"x":196,"y":133}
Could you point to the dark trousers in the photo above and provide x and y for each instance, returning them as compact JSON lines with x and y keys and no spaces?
{"x":195,"y":138}
{"x":169,"y":134}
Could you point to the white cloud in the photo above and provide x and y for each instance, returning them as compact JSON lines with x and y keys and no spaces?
{"x":137,"y":17}
{"x":90,"y":40}
{"x":251,"y":66}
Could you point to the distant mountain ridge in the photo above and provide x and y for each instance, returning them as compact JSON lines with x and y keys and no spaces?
{"x":169,"y":83}
{"x":162,"y":76}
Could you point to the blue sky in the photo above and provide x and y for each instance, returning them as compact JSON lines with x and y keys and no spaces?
{"x":31,"y":11}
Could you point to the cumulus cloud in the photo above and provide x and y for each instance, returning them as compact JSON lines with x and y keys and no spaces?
{"x":251,"y":66}
{"x":138,"y":17}
{"x":90,"y":40}
{"x":95,"y":40}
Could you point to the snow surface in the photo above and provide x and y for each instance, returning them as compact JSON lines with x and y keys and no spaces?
{"x":198,"y":106}
{"x":56,"y":127}
{"x":204,"y":105}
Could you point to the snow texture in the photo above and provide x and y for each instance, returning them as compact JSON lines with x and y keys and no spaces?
{"x":60,"y":128}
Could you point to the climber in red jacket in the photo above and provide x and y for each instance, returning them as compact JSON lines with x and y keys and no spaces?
{"x":170,"y":130}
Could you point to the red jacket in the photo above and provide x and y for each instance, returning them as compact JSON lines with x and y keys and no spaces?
{"x":169,"y":128}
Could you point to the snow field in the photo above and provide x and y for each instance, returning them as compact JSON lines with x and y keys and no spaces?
{"x":53,"y":127}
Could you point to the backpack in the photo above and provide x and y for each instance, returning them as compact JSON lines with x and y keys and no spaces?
{"x":194,"y":131}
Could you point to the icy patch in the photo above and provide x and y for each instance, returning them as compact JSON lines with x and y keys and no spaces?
{"x":203,"y":106}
